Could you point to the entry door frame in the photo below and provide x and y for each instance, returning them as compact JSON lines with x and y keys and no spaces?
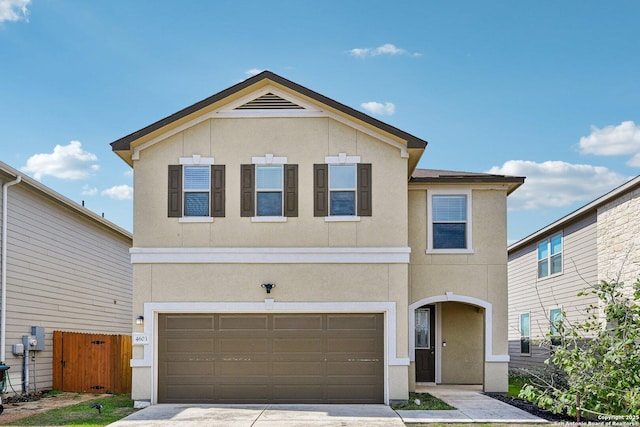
{"x":152,"y":309}
{"x":435,"y":329}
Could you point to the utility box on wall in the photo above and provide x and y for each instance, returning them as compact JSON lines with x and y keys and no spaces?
{"x":38,"y":332}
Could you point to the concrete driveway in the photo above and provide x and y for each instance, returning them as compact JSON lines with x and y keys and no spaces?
{"x":263,"y":416}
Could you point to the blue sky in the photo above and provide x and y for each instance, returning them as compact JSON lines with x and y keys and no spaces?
{"x":542,"y":89}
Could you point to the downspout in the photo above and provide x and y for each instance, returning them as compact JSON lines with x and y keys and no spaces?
{"x":3,"y":271}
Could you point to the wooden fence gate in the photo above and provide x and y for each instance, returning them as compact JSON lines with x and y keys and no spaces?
{"x":91,"y":363}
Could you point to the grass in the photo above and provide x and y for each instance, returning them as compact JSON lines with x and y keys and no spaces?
{"x":114,"y":408}
{"x":515,"y":384}
{"x":427,"y":402}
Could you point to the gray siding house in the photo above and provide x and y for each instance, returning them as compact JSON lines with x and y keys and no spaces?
{"x":547,"y":270}
{"x":63,"y":268}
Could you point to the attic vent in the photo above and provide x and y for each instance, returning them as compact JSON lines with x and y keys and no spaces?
{"x":270,"y":101}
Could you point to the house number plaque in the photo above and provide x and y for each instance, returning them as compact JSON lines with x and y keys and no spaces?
{"x":140,"y":339}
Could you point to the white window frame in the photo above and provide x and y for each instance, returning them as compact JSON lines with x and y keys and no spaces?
{"x":528,"y":313}
{"x":549,"y":256}
{"x":268,"y":160}
{"x":196,"y":160}
{"x":469,"y":233}
{"x":342,"y":159}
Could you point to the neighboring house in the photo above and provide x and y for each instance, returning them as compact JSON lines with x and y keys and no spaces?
{"x":63,"y":268}
{"x":283,"y":253}
{"x":547,"y":270}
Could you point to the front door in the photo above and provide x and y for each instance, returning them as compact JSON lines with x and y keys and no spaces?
{"x":425,"y":344}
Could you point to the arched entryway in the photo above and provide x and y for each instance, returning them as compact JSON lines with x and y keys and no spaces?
{"x":450,"y":339}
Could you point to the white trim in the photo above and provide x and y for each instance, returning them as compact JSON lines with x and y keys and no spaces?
{"x":268,"y":219}
{"x":196,"y":159}
{"x":195,"y":219}
{"x":269,"y":159}
{"x":230,"y":109}
{"x":454,"y":192}
{"x":450,"y":296}
{"x":341,"y":158}
{"x":152,"y":309}
{"x":342,"y":218}
{"x":320,"y":255}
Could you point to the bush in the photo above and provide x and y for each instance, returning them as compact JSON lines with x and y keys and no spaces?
{"x":596,"y":361}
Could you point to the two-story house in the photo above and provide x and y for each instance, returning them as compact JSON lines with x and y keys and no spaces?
{"x":286,"y":249}
{"x":547,"y":269}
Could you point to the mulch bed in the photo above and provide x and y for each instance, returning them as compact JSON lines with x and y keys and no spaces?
{"x":533,"y":409}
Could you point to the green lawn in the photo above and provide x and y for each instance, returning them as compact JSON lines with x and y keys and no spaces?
{"x":515,"y":384}
{"x":427,"y":402}
{"x":114,"y":408}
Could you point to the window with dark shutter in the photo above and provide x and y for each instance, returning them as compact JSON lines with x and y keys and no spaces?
{"x":364,"y":189}
{"x":217,"y":190}
{"x":175,"y":191}
{"x":247,"y":189}
{"x":320,"y":190}
{"x":291,"y":190}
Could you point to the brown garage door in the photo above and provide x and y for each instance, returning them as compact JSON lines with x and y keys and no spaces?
{"x":274,"y":358}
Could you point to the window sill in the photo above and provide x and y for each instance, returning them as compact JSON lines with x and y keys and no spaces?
{"x":342,"y":218}
{"x":551,"y":276}
{"x":196,"y":219}
{"x":449,"y":251}
{"x":268,"y":219}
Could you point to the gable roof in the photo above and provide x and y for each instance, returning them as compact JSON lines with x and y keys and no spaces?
{"x":587,"y":209}
{"x":437,"y":176}
{"x":123,"y":147}
{"x":9,"y":173}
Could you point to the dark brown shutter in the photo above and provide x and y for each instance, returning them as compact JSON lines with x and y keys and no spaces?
{"x":291,"y":190}
{"x":364,"y":189}
{"x":247,"y":190}
{"x":320,"y":190}
{"x":175,"y":191}
{"x":217,"y":190}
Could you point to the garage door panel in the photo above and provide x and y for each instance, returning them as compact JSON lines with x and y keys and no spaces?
{"x":189,"y":368}
{"x":179,"y":322}
{"x":296,"y":322}
{"x":297,"y":345}
{"x":352,"y":345}
{"x":278,"y":358}
{"x":244,"y":323}
{"x":297,"y":369}
{"x":203,"y":345}
{"x":243,"y":345}
{"x":242,"y":368}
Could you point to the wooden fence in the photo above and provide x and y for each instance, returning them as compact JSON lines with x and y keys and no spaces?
{"x":91,"y":363}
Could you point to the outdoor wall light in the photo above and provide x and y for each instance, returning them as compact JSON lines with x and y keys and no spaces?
{"x":268,"y":286}
{"x":139,"y":320}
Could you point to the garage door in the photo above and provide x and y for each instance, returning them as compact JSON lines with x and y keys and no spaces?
{"x":270,"y":358}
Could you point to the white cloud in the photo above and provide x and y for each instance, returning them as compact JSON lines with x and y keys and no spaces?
{"x":66,"y":162}
{"x":379,"y":108}
{"x":128,"y":172}
{"x":14,"y":10}
{"x":620,"y":140}
{"x":119,"y":192}
{"x":89,"y":191}
{"x":554,"y":184}
{"x":385,"y":49}
{"x":253,"y":72}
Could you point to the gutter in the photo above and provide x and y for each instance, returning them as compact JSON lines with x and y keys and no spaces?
{"x":3,"y":269}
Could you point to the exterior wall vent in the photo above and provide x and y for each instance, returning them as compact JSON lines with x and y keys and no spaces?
{"x":270,"y":101}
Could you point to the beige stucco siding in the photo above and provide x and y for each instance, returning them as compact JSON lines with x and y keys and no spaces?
{"x":304,"y":141}
{"x":463,"y":332}
{"x":64,"y":272}
{"x":537,"y":297}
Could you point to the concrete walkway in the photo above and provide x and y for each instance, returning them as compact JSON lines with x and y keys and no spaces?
{"x":472,"y":407}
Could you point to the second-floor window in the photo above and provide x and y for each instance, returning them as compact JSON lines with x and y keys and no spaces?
{"x":196,"y":190}
{"x":550,"y":256}
{"x":342,"y":188}
{"x":269,"y":189}
{"x":449,"y":221}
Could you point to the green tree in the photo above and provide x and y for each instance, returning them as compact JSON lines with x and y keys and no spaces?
{"x":597,"y":359}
